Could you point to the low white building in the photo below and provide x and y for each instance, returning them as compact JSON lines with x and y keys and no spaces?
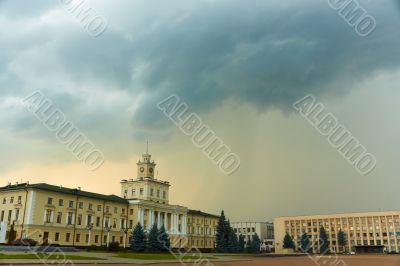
{"x":264,"y":230}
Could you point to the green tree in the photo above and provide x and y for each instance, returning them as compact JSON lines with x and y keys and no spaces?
{"x":241,"y":243}
{"x":248,"y":245}
{"x":342,"y":241}
{"x":163,"y":238}
{"x":305,"y":243}
{"x":221,"y":235}
{"x":152,"y":243}
{"x":288,"y":241}
{"x":233,"y":243}
{"x":138,"y":239}
{"x":323,"y":241}
{"x":255,"y":244}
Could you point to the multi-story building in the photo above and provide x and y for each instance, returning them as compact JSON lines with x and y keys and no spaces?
{"x":365,"y":232}
{"x":73,"y":217}
{"x":264,"y":230}
{"x":201,"y":229}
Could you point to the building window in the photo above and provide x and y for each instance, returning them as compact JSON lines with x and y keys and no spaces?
{"x":115,"y":210}
{"x":114,"y":224}
{"x":12,"y":200}
{"x":2,"y":216}
{"x":122,"y":223}
{"x":133,"y":193}
{"x":87,"y":238}
{"x":158,"y":193}
{"x":163,"y":194}
{"x":16,"y":214}
{"x":71,"y":204}
{"x":107,"y":209}
{"x":19,"y":199}
{"x":79,"y":219}
{"x":89,"y":220}
{"x":141,"y":191}
{"x":60,"y":202}
{"x":121,"y":239}
{"x":67,"y":237}
{"x":57,"y":237}
{"x":78,"y":237}
{"x":123,"y":210}
{"x":151,"y":192}
{"x":96,"y":239}
{"x":80,"y":205}
{"x":130,"y":224}
{"x":105,"y":239}
{"x":69,"y":218}
{"x":48,"y":216}
{"x":4,"y":200}
{"x":50,"y":201}
{"x":90,"y":206}
{"x":59,"y":217}
{"x":99,"y":208}
{"x":131,"y":211}
{"x":97,"y":221}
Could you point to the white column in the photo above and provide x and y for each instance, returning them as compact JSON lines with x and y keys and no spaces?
{"x":165,"y":221}
{"x":159,"y":219}
{"x":176,"y":223}
{"x":151,"y":219}
{"x":171,"y":229}
{"x":184,"y":224}
{"x":140,"y":216}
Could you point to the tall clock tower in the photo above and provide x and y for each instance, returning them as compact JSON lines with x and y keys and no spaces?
{"x":145,"y":167}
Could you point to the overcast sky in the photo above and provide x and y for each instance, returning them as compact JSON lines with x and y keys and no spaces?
{"x":239,"y":65}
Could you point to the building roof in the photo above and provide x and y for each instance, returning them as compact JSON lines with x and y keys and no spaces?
{"x":200,"y":213}
{"x":64,"y":190}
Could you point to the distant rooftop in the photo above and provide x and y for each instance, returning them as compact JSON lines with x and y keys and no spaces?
{"x":64,"y":190}
{"x":195,"y":212}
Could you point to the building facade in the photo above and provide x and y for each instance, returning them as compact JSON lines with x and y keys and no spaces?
{"x":373,"y":232}
{"x":264,"y":230}
{"x":72,"y":217}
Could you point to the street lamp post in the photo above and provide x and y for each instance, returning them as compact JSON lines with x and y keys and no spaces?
{"x":108,"y":229}
{"x":89,"y":227}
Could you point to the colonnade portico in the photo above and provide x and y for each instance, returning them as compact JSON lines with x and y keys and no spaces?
{"x":174,"y":222}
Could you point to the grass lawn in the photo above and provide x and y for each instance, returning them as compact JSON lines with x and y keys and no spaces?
{"x":159,"y":256}
{"x":37,"y":256}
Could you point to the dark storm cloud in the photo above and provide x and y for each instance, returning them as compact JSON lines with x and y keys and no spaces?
{"x":267,"y":53}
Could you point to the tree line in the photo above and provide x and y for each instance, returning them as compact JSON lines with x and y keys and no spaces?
{"x":306,"y":246}
{"x":228,"y":241}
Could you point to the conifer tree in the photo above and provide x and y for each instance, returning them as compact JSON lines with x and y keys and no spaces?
{"x":255,"y":244}
{"x":241,"y":243}
{"x":323,"y":241}
{"x":342,"y":241}
{"x":163,"y":238}
{"x":152,"y":243}
{"x":233,"y":245}
{"x":248,"y":245}
{"x":221,"y":235}
{"x":305,"y":243}
{"x":138,"y":239}
{"x":288,"y":241}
